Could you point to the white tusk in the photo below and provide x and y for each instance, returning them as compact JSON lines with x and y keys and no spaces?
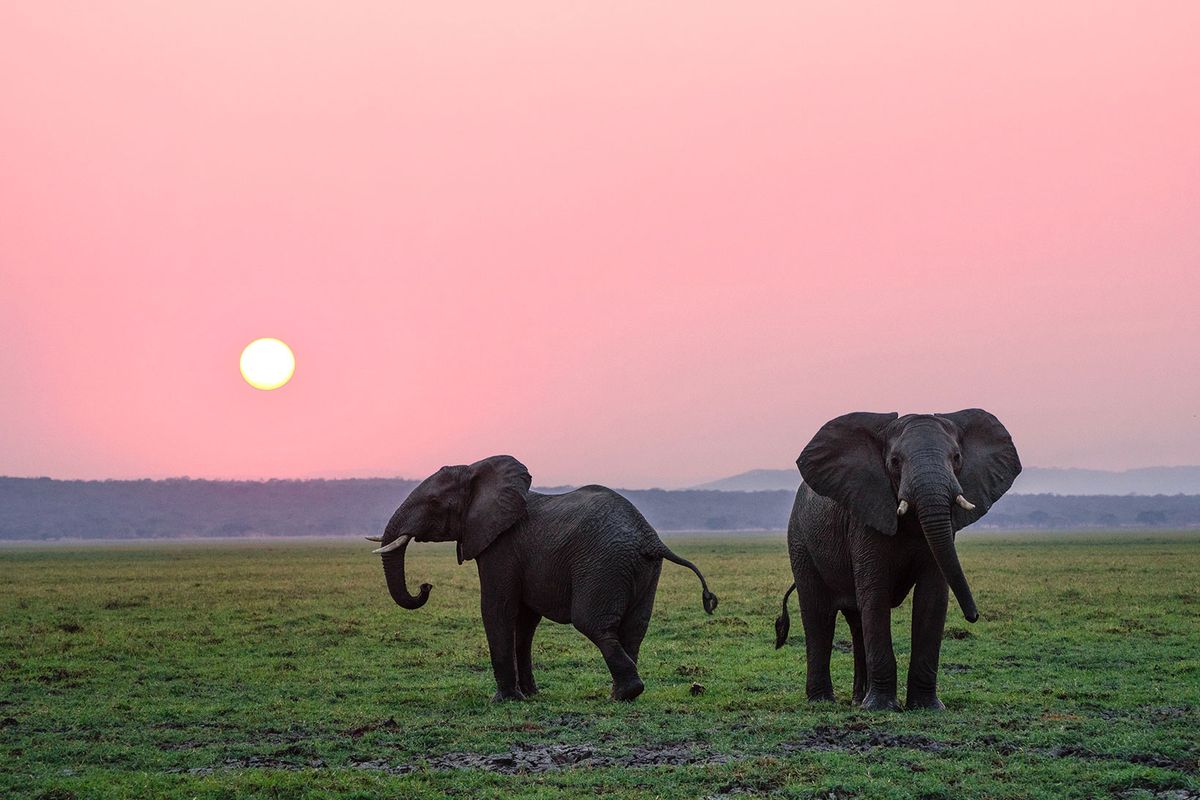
{"x":903,"y":509}
{"x":395,"y":545}
{"x":964,"y":503}
{"x":373,"y":538}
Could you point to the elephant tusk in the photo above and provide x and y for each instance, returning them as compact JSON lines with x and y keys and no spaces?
{"x":373,"y":538}
{"x":903,"y":509}
{"x":964,"y":503}
{"x":395,"y":545}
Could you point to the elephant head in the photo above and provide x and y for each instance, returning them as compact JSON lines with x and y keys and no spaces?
{"x":468,"y":504}
{"x":947,"y":469}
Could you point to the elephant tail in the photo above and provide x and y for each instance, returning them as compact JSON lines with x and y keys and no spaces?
{"x":783,"y":623}
{"x":707,"y":598}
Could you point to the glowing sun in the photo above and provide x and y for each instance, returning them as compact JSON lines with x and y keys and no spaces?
{"x":267,"y":364}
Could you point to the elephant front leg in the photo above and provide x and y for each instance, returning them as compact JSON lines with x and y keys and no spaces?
{"x":881,"y":659}
{"x":527,"y":622}
{"x":928,"y":621}
{"x":854,"y":620}
{"x":500,"y":623}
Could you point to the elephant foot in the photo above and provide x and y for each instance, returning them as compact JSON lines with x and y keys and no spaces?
{"x":529,"y":689}
{"x":511,"y":694}
{"x":628,"y":691}
{"x":928,"y":702}
{"x":878,"y":701}
{"x":823,"y":696}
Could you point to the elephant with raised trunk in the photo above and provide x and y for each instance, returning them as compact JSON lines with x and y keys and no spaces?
{"x":587,"y":558}
{"x":876,"y":516}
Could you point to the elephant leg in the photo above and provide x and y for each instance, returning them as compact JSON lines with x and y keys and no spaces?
{"x":928,"y":621}
{"x":633,"y":628}
{"x":637,"y":619}
{"x":854,"y":620}
{"x":881,"y":659}
{"x":819,"y":618}
{"x":627,"y":684}
{"x":500,"y":625}
{"x":527,"y":622}
{"x":819,"y":622}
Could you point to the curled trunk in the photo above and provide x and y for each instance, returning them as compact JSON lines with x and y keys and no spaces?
{"x":939,"y":533}
{"x":393,"y":570}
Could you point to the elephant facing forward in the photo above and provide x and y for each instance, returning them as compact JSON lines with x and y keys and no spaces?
{"x":876,"y":516}
{"x":587,"y":558}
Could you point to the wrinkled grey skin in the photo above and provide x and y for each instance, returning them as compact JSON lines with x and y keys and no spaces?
{"x":587,"y":558}
{"x":852,"y":552}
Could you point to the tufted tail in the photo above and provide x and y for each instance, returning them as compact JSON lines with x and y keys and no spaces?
{"x":707,"y":598}
{"x":783,"y":623}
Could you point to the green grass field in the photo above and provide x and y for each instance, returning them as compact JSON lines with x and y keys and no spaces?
{"x":282,"y":669}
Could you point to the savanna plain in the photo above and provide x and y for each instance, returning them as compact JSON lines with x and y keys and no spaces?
{"x":283,"y":669}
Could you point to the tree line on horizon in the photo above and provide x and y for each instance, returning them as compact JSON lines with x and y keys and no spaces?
{"x":46,"y":509}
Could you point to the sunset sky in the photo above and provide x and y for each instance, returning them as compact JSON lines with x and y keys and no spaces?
{"x":639,"y":244}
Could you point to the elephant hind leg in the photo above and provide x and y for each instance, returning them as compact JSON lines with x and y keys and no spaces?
{"x":634,"y":625}
{"x":636,"y":619}
{"x":626,"y":683}
{"x":527,"y":622}
{"x":854,"y":620}
{"x":819,"y":623}
{"x":819,"y":617}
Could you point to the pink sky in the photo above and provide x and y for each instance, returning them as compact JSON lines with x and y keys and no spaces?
{"x":636,"y":244}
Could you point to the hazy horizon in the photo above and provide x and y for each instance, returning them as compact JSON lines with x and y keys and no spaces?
{"x":1076,"y":474}
{"x":643,"y":245}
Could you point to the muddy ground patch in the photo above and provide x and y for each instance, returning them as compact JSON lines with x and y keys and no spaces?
{"x":535,"y":757}
{"x":826,"y":738}
{"x":529,"y":758}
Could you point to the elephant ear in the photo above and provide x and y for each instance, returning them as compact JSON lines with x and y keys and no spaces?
{"x":990,"y":462}
{"x":499,"y":488}
{"x":845,"y":462}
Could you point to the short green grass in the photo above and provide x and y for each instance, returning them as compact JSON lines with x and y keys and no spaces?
{"x":272,"y":669}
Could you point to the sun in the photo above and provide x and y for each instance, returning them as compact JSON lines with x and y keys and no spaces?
{"x":267,"y":364}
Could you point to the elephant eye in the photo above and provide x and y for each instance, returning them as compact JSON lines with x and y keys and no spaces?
{"x":895,"y":462}
{"x":956,"y":459}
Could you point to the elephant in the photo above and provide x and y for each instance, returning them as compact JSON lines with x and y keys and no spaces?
{"x":586,"y":557}
{"x":882,"y":499}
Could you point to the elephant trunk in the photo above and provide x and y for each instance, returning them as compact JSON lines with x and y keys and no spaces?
{"x":934,"y":514}
{"x":393,"y":570}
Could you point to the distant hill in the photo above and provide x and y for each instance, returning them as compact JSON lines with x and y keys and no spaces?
{"x":41,"y":508}
{"x":756,"y":480}
{"x":1033,"y":480}
{"x":44,"y":509}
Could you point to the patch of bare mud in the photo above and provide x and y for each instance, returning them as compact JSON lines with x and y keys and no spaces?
{"x":388,"y":724}
{"x":826,"y":738}
{"x":523,"y":758}
{"x":526,"y":758}
{"x":255,"y":762}
{"x":1185,"y":765}
{"x":530,"y":758}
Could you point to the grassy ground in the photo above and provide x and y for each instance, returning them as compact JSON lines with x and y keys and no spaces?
{"x":284,"y":670}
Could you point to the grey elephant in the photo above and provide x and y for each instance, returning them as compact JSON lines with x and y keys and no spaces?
{"x":876,"y":516}
{"x":586,"y":557}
